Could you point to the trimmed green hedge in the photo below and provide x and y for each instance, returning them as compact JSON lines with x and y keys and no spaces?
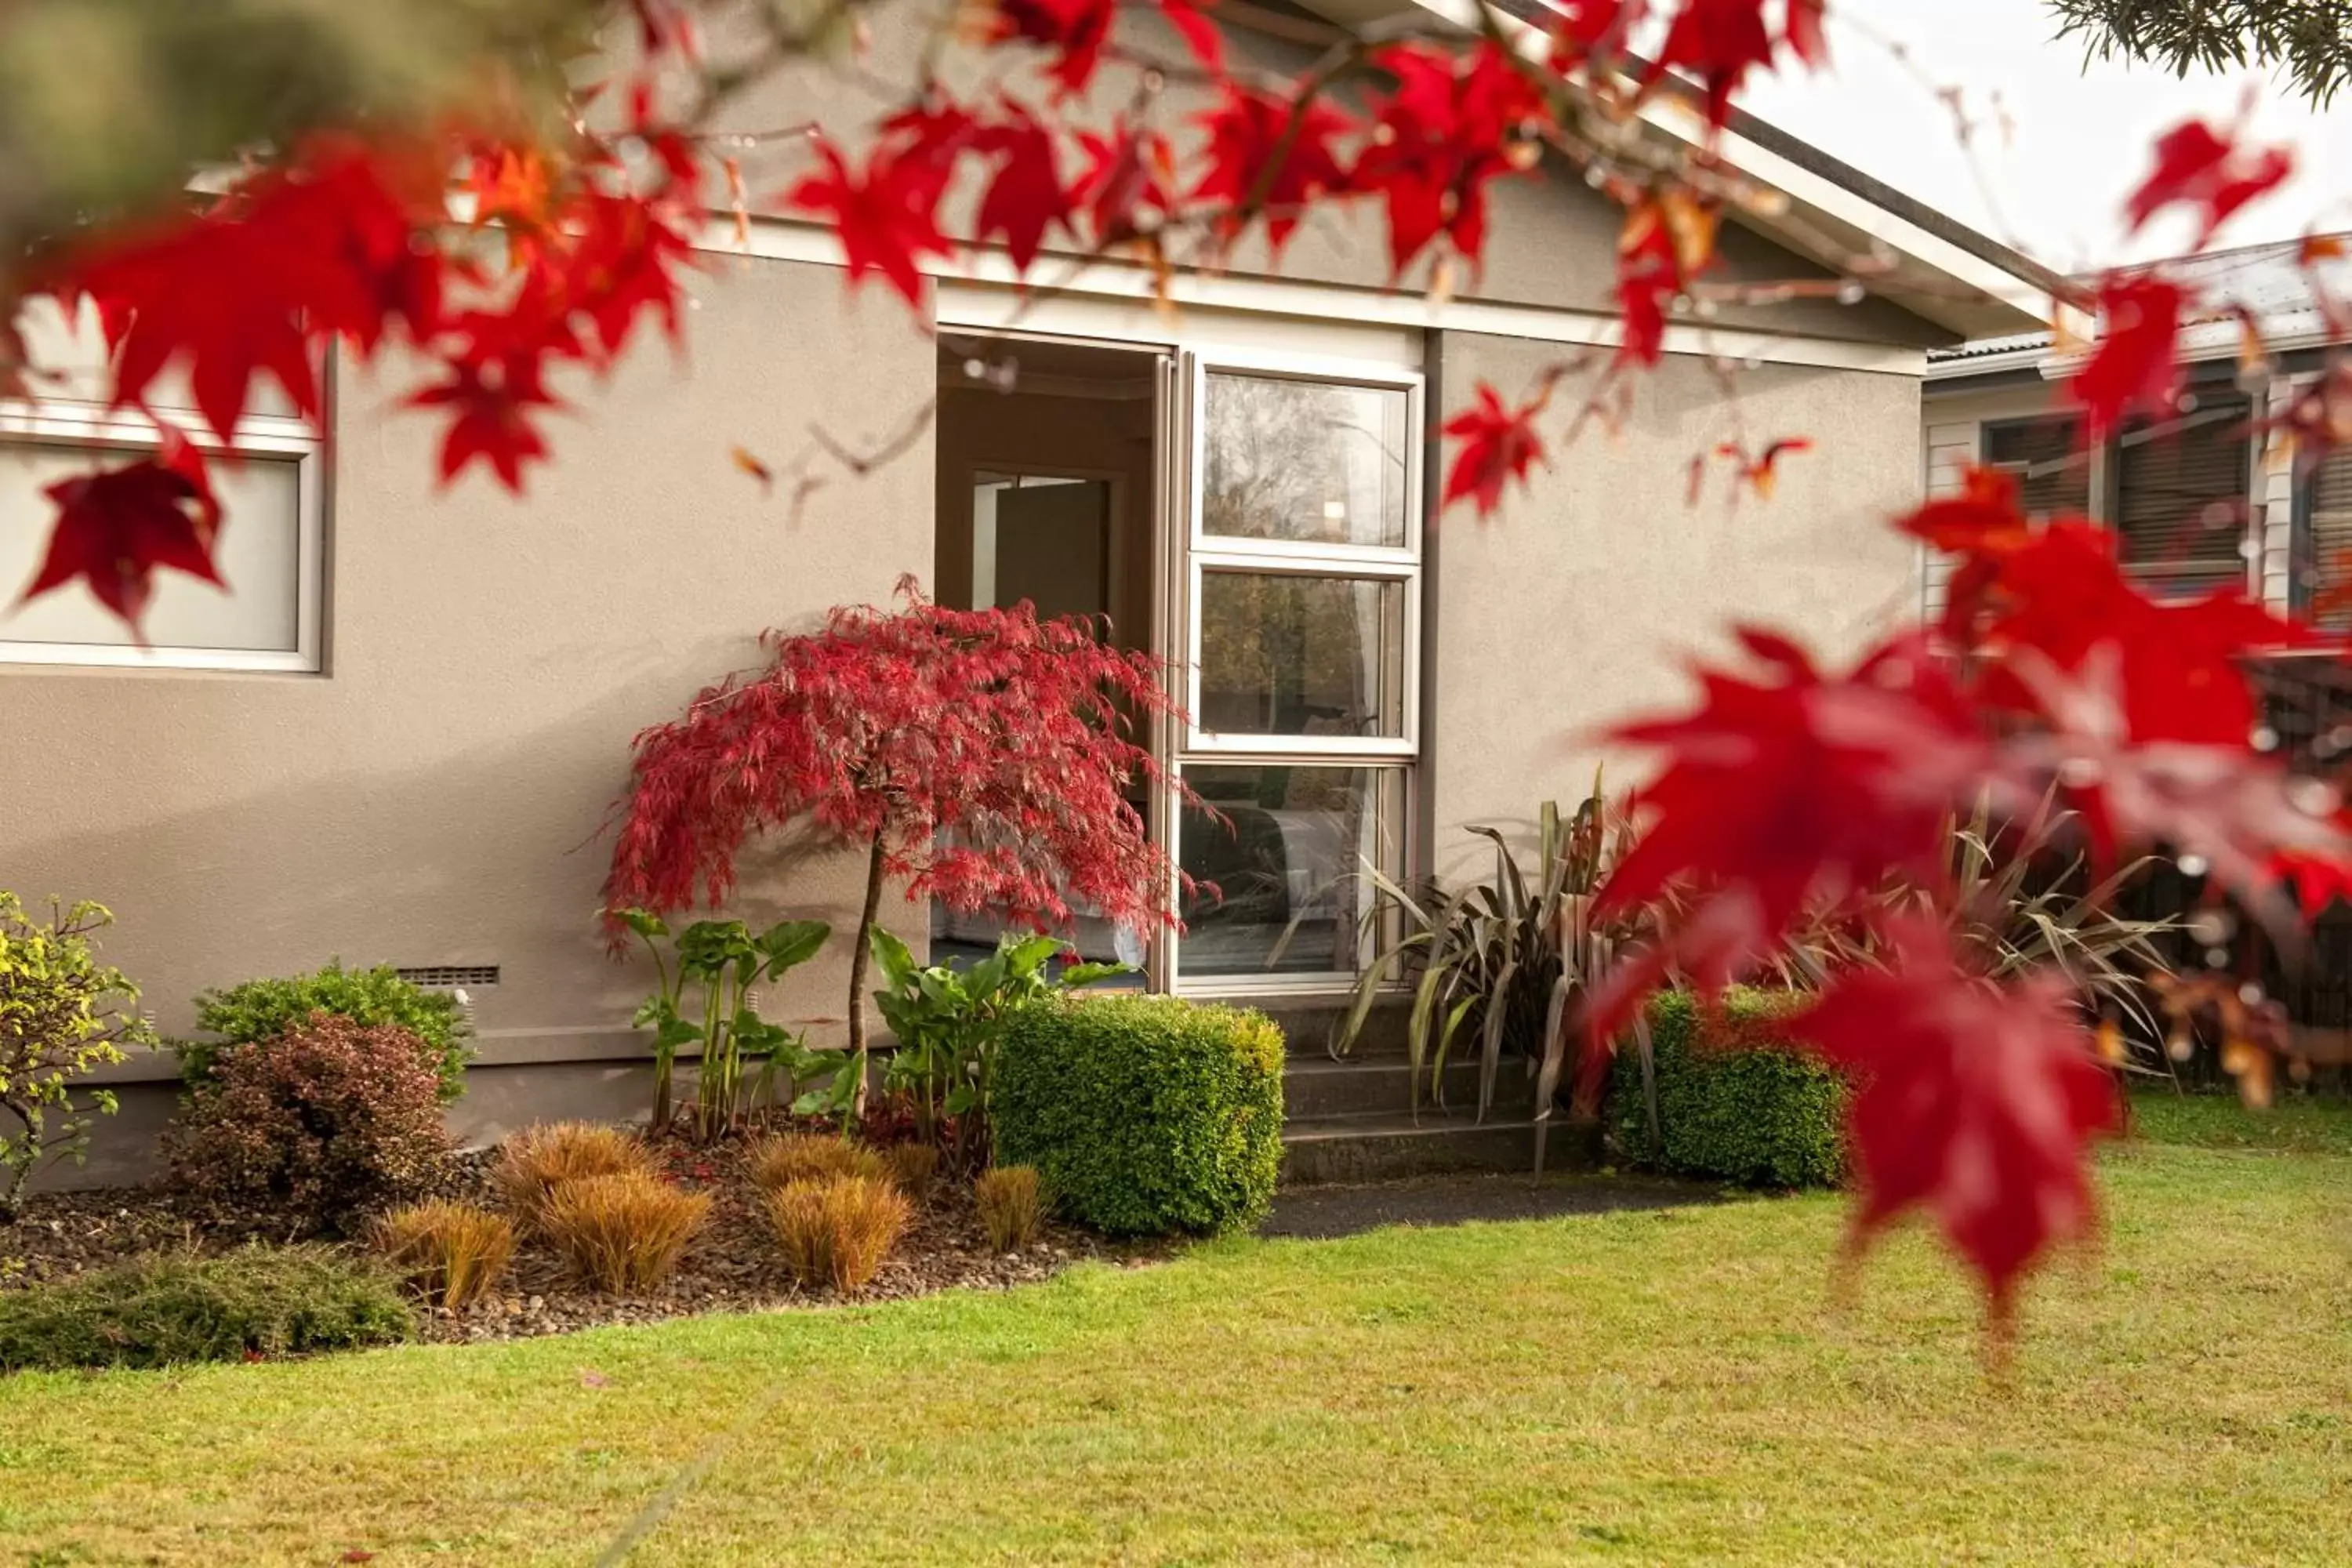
{"x":171,"y":1308}
{"x":1756,"y":1113}
{"x":1146,"y":1115}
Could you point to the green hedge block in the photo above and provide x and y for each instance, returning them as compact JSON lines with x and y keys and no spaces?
{"x":1146,"y":1115}
{"x":1756,"y":1113}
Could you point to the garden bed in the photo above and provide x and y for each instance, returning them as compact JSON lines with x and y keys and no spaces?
{"x":733,"y":1265}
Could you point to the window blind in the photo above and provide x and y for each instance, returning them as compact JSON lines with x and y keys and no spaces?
{"x":2181,"y":497}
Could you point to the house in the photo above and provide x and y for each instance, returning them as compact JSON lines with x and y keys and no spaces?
{"x":2213,"y":497}
{"x":397,"y":740}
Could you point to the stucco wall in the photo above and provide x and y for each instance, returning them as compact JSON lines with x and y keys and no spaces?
{"x":1552,"y":239}
{"x":1577,"y":605}
{"x":435,"y":797}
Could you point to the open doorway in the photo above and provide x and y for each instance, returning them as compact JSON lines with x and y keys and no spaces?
{"x":1046,"y":454}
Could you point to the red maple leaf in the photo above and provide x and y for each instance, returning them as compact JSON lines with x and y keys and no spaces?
{"x":1025,"y":197}
{"x":1984,"y":516}
{"x":1668,"y":237}
{"x":1499,"y":443}
{"x":1720,"y":41}
{"x":1761,"y":471}
{"x":493,"y":385}
{"x":1973,"y":1099}
{"x":1269,"y":155}
{"x":625,"y":263}
{"x":2205,"y":168}
{"x":1128,"y":187}
{"x":117,"y":527}
{"x":887,"y":215}
{"x":2133,"y":367}
{"x":1792,"y":790}
{"x":1076,"y":31}
{"x":1586,"y":27}
{"x":2318,"y":881}
{"x":2057,"y":596}
{"x":333,"y":243}
{"x":1453,"y":124}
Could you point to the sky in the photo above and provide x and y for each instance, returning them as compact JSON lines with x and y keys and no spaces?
{"x":2080,"y":134}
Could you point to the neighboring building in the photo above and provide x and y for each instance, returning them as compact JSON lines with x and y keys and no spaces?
{"x":2212,"y":497}
{"x":399,"y":738}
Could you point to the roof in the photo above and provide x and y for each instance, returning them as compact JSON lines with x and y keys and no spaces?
{"x":1937,"y":268}
{"x":2267,"y":280}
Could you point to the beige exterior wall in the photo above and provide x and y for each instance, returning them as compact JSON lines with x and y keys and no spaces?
{"x":1552,"y":240}
{"x":436,"y":796}
{"x":1576,"y":606}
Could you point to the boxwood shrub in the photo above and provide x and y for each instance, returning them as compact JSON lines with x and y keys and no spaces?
{"x":1145,"y":1115}
{"x":1742,"y":1110}
{"x":172,"y":1308}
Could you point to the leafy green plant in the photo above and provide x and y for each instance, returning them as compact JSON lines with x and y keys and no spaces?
{"x":950,"y":1022}
{"x":710,"y":973}
{"x":1494,"y":963}
{"x":263,"y":1009}
{"x":168,"y":1308}
{"x":62,"y":1014}
{"x":1144,"y":1115}
{"x":1722,"y":1095}
{"x":2017,"y":897}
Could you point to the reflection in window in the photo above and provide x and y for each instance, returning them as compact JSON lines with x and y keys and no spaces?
{"x":1301,"y":656}
{"x":1304,"y":461}
{"x":1278,"y":871}
{"x":2180,"y":496}
{"x":2048,"y":460}
{"x":254,"y":609}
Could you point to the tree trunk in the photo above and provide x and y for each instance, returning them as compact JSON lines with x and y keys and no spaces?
{"x":858,"y":955}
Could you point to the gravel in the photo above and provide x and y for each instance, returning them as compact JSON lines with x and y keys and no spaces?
{"x":731,"y":1266}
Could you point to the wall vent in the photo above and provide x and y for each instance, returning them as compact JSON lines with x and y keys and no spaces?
{"x":450,"y":976}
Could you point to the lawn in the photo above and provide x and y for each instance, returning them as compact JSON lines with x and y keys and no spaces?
{"x":1670,"y":1386}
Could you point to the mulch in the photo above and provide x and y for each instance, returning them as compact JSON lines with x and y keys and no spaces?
{"x":732,"y":1265}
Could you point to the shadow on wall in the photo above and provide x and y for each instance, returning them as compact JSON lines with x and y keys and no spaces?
{"x":492,"y":854}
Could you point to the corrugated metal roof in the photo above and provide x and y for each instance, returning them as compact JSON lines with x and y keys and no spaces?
{"x":2267,"y":279}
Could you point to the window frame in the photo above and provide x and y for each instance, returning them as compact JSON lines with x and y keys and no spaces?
{"x":1393,"y":760}
{"x":268,"y":436}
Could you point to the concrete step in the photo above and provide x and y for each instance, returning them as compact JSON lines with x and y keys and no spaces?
{"x":1308,"y":1027}
{"x":1379,"y":1148}
{"x":1315,"y":1088}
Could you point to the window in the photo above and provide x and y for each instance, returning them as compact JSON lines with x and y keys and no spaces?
{"x":2323,"y":542}
{"x":2180,"y":501}
{"x":270,"y":550}
{"x":1304,"y":577}
{"x":2047,"y":459}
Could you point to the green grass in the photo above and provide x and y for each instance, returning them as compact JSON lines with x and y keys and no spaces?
{"x":1636,"y":1388}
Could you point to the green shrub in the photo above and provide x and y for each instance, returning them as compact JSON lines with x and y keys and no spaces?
{"x":263,"y":1009}
{"x":171,"y":1308}
{"x":1742,"y":1109}
{"x":1145,"y":1115}
{"x":63,"y":1015}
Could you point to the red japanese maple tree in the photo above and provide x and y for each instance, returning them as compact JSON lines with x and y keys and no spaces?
{"x":984,"y":758}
